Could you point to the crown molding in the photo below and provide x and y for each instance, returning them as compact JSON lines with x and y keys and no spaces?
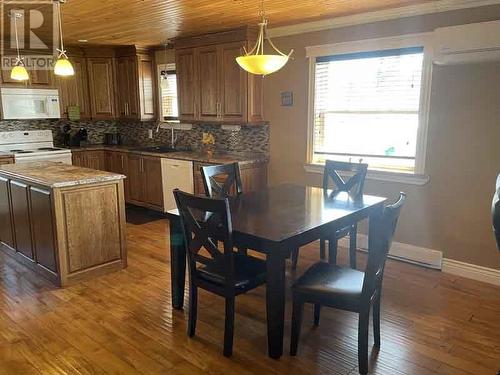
{"x":380,"y":15}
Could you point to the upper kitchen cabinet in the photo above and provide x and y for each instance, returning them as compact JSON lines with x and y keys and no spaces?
{"x":211,"y":86}
{"x":135,"y":84}
{"x":73,"y":90}
{"x":101,"y":87}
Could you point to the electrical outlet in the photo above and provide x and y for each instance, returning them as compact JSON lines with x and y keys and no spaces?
{"x":150,"y":133}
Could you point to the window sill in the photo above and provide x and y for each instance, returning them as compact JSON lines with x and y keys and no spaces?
{"x":402,"y":178}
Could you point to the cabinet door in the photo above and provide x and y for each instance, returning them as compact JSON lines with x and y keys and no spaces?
{"x":6,"y":229}
{"x":152,"y":177}
{"x":122,"y":77}
{"x":43,"y":229}
{"x":20,"y":214}
{"x":100,"y":72}
{"x":233,"y":84}
{"x":208,"y":83}
{"x":73,"y":91}
{"x":186,"y":84}
{"x":40,"y":77}
{"x":78,"y":158}
{"x":135,"y":178}
{"x":146,"y":88}
{"x":95,"y":160}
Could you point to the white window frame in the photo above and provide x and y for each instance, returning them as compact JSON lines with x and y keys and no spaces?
{"x":367,"y":45}
{"x":160,"y":67}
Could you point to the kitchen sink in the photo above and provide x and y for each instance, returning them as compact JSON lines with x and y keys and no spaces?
{"x":158,"y":149}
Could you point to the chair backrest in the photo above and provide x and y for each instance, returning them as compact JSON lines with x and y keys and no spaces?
{"x":228,"y":173}
{"x":205,"y":223}
{"x":353,"y":185}
{"x":495,"y":212}
{"x":380,"y":245}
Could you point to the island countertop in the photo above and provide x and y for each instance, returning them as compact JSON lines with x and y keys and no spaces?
{"x":57,"y":175}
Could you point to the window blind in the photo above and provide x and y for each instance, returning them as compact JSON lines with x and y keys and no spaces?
{"x":366,"y":105}
{"x":169,"y":95}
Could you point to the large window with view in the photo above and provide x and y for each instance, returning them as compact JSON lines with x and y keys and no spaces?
{"x":367,"y":107}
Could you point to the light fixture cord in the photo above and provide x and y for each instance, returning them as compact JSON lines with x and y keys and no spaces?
{"x":62,"y":52}
{"x":17,"y":38}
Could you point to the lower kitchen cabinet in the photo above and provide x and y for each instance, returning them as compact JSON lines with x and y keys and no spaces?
{"x":117,"y":162}
{"x":89,"y":159}
{"x":21,"y":219}
{"x":6,"y":229}
{"x":145,"y":181}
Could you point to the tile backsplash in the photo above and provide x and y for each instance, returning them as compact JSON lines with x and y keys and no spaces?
{"x":248,"y":138}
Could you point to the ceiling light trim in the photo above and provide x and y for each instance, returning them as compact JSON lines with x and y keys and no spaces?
{"x":378,"y":16}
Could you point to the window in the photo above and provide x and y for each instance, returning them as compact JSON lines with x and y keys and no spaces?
{"x":367,"y":105}
{"x":168,"y":92}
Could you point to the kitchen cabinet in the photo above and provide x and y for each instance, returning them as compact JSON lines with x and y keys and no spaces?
{"x":89,"y":159}
{"x":64,"y":231}
{"x":101,"y":87}
{"x":253,"y":177}
{"x":37,"y":79}
{"x":20,"y":217}
{"x":6,"y":228}
{"x":73,"y":91}
{"x":186,"y":84}
{"x":117,"y":162}
{"x":6,"y":159}
{"x":135,"y":84}
{"x":211,"y":86}
{"x":145,"y":181}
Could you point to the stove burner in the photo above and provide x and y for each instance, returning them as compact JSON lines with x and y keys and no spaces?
{"x":48,"y":149}
{"x":22,"y":151}
{"x":16,"y":150}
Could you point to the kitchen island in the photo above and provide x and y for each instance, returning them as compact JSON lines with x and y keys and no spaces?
{"x":64,"y":222}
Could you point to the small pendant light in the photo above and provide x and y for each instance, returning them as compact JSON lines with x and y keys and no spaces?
{"x":19,"y":72}
{"x":63,"y":66}
{"x":255,"y":61}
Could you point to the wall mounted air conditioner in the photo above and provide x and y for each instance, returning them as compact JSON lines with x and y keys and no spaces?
{"x":465,"y":44}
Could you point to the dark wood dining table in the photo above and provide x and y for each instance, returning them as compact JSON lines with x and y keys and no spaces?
{"x":274,"y":221}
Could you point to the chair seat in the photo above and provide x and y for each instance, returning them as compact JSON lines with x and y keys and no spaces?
{"x":249,"y":272}
{"x":329,"y":281}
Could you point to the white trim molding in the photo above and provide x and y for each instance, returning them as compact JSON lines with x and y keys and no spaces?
{"x":380,"y":15}
{"x":375,"y":175}
{"x":404,"y":252}
{"x":471,"y":271}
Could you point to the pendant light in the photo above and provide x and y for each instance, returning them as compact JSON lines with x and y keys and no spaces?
{"x":256,"y":61}
{"x":63,"y":66}
{"x":19,"y":72}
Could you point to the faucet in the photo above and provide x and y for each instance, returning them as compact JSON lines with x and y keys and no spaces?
{"x":173,"y":138}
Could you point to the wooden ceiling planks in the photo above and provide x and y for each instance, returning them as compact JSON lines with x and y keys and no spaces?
{"x":152,"y":22}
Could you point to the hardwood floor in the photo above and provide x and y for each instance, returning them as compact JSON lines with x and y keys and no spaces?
{"x":432,"y":323}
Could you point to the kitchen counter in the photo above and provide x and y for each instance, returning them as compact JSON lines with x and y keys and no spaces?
{"x":65,"y":223}
{"x":218,"y":157}
{"x":58,"y":175}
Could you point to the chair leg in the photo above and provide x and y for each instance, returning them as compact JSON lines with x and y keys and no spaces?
{"x":193,"y":310}
{"x":332,"y":251}
{"x":376,"y":321}
{"x":363,"y":323}
{"x":297,"y":311}
{"x":353,"y":246}
{"x":295,"y":258}
{"x":322,"y":249}
{"x":317,"y":312}
{"x":229,"y":327}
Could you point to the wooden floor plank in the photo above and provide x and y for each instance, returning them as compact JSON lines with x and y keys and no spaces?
{"x":123,"y":323}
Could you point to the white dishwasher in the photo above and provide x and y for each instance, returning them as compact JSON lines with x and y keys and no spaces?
{"x":176,"y":174}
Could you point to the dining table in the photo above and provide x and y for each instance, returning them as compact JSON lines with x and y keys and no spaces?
{"x":274,"y":221}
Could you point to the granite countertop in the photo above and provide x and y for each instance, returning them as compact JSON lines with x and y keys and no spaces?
{"x":218,"y":157}
{"x":56,"y":175}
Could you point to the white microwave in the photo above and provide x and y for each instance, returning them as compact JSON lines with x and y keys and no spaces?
{"x":20,"y":104}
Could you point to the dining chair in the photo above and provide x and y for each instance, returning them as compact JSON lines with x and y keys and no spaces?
{"x":206,"y":222}
{"x":222,"y":180}
{"x":344,"y":288}
{"x":495,"y":212}
{"x":353,"y":185}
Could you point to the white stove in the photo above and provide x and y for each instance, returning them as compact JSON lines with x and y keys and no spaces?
{"x":33,"y":145}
